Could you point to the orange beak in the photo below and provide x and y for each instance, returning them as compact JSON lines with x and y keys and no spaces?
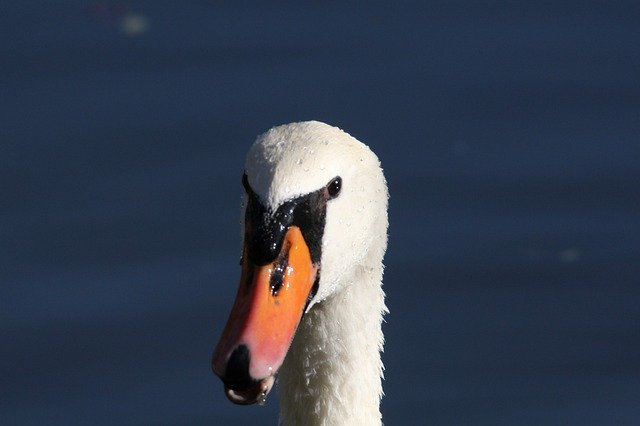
{"x":269,"y":304}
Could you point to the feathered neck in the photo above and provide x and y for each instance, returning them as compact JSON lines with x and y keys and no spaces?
{"x":333,"y":373}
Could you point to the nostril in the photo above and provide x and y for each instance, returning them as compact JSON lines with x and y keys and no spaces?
{"x":237,"y":375}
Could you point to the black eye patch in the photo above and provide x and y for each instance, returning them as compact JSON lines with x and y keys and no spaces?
{"x":265,"y":229}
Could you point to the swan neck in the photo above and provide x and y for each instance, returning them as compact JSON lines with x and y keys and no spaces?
{"x":333,"y":372}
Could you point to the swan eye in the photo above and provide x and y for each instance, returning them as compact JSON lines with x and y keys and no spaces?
{"x":333,"y":187}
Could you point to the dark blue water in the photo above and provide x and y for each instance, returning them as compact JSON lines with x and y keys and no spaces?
{"x":510,"y":137}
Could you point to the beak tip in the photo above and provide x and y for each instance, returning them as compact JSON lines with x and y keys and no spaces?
{"x":256,"y":393}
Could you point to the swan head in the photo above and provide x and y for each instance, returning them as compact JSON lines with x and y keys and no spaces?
{"x":315,"y":208}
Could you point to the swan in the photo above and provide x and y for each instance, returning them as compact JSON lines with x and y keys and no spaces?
{"x":310,"y":303}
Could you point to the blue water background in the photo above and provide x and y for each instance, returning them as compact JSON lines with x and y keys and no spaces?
{"x":510,"y":137}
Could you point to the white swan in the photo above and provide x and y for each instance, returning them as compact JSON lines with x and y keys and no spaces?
{"x":315,"y":221}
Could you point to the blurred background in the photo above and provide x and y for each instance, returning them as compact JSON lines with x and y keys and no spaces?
{"x":509,"y":134}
